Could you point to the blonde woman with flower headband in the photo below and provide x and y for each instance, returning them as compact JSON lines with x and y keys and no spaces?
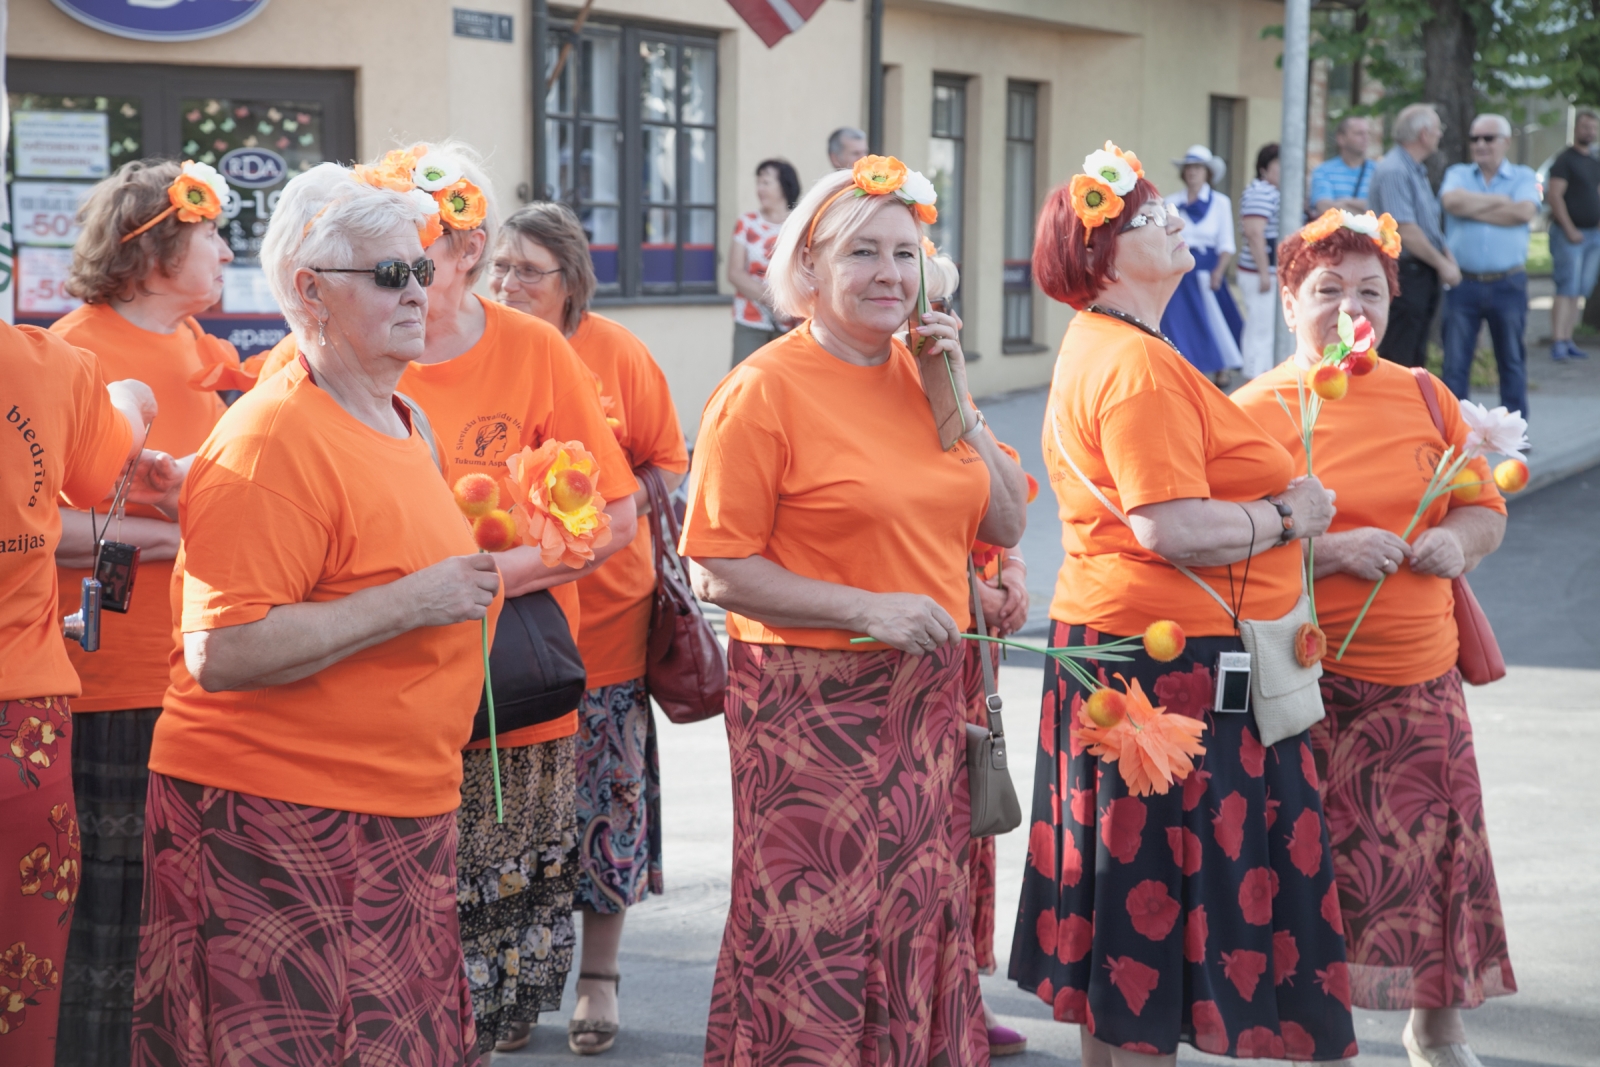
{"x":1204,"y":911}
{"x":823,"y":507}
{"x":1395,"y":757}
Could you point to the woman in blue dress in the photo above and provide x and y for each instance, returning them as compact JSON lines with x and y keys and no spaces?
{"x":1202,"y":318}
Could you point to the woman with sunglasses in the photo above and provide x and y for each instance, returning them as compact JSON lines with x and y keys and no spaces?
{"x":1204,"y":912}
{"x":300,"y":830}
{"x":542,"y":266}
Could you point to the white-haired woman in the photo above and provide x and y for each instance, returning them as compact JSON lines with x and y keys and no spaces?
{"x":493,"y":381}
{"x":824,"y":508}
{"x":300,"y":835}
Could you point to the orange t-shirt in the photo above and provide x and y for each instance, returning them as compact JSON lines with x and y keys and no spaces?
{"x":278,"y":357}
{"x":1376,"y":449}
{"x":1146,"y":427}
{"x":833,"y":471}
{"x":61,"y":436}
{"x":130,"y":670}
{"x":292,"y":500}
{"x":616,"y":598}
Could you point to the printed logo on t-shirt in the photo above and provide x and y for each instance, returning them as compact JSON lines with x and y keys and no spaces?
{"x":487,"y":439}
{"x":1427,"y":460}
{"x":30,"y":438}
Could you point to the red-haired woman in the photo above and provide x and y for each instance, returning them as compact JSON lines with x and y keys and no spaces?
{"x":1205,"y":913}
{"x":1395,"y":754}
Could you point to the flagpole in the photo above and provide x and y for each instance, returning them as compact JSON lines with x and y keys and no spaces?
{"x":875,"y":77}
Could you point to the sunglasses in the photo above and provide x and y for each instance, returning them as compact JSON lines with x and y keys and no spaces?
{"x":390,"y":273}
{"x":1155,"y":212}
{"x":1484,"y":138}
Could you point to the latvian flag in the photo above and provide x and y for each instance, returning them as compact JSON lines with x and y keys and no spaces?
{"x":773,"y":20}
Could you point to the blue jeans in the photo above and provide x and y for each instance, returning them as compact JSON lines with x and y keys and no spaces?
{"x":1576,"y":266}
{"x":1504,"y":305}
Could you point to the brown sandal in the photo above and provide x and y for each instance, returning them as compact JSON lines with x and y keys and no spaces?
{"x":604,"y":1028}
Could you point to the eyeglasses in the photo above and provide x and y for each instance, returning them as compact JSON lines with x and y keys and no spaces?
{"x":1485,"y":138}
{"x":1155,"y":212}
{"x":390,"y":273}
{"x":525,"y":274}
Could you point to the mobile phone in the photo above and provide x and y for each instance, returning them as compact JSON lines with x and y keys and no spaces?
{"x":83,"y":625}
{"x":119,"y":566}
{"x":1233,"y":682}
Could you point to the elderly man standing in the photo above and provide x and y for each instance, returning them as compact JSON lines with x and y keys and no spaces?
{"x":846,"y":145}
{"x":1575,"y":232}
{"x":1488,"y":204}
{"x":1343,"y":181}
{"x":1400,"y":187}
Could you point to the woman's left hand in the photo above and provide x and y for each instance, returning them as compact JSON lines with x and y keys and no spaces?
{"x":1218,"y":276}
{"x":1438,"y":553}
{"x":943,"y":332}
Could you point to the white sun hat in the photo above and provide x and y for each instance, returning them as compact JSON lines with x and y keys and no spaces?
{"x":1199,"y":153}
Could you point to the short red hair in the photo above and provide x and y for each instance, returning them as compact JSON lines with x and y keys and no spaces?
{"x":1297,"y":257}
{"x":1069,"y":269}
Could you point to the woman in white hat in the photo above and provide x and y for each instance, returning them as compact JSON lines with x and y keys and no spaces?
{"x":1202,"y":318}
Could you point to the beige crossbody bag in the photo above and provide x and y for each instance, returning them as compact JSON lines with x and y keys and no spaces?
{"x":1284,"y":696}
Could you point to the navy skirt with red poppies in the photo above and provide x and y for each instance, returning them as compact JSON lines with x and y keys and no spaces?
{"x":1207,"y":915}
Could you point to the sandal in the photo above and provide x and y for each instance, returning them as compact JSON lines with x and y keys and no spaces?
{"x":517,"y":1037}
{"x":604,"y":1028}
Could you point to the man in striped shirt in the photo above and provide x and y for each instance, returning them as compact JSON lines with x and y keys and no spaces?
{"x":1343,"y":181}
{"x":1258,"y":264}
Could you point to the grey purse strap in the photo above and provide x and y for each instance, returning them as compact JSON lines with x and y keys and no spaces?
{"x":991,"y":692}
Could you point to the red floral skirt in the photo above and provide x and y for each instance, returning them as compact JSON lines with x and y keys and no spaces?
{"x":849,"y":940}
{"x":40,"y":868}
{"x":1410,"y":849}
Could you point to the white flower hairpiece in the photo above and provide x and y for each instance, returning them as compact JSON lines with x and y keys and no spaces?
{"x":434,"y":173}
{"x":1111,"y":168}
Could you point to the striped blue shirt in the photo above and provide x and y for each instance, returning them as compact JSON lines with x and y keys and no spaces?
{"x":1338,"y":180}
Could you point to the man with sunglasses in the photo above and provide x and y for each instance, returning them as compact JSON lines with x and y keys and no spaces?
{"x":1488,"y":204}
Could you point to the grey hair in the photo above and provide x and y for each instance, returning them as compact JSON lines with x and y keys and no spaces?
{"x":1500,"y":120}
{"x":463,"y":157}
{"x":944,"y":277}
{"x":552,"y":226}
{"x":1412,"y":120}
{"x":837,"y":138}
{"x":321,"y":217}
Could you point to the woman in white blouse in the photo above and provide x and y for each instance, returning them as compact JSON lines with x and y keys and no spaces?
{"x":1202,"y":319}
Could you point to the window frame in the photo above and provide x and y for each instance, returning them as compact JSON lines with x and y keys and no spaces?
{"x":1011,"y":285}
{"x":960,"y":84}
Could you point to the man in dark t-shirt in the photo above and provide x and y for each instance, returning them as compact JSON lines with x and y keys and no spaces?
{"x":1574,"y":199}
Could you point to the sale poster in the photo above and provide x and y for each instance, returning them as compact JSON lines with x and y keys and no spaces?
{"x":42,"y":281}
{"x":46,"y":213}
{"x":61,"y":144}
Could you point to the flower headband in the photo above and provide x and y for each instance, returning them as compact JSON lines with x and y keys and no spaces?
{"x":882,"y":176}
{"x":196,"y":194}
{"x":438,"y":188}
{"x":1108,"y":175}
{"x":1383,"y":230}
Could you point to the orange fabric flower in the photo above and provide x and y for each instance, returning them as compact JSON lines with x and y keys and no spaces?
{"x":1151,"y":748}
{"x":194,"y":199}
{"x":462,"y":206}
{"x":563,"y":535}
{"x":1094,"y":202}
{"x":1133,"y":160}
{"x":431,"y":230}
{"x":1323,"y":226}
{"x":927,"y":214}
{"x":1389,"y":235}
{"x":876,"y":175}
{"x":393,"y":171}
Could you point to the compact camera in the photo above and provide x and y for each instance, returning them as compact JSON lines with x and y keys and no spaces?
{"x":1233,"y":682}
{"x":83,"y":625}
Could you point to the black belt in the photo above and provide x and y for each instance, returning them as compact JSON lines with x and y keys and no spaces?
{"x":1497,"y":276}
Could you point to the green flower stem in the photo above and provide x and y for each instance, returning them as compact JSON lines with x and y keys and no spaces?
{"x":1112,"y":652}
{"x":494,"y":744}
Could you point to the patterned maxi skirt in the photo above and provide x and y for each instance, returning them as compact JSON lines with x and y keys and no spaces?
{"x":110,"y":774}
{"x":1410,"y":849}
{"x":619,"y":799}
{"x":516,"y":879}
{"x":849,"y":939}
{"x":980,"y":855}
{"x":1206,"y":915}
{"x":39,"y":874}
{"x":282,"y":935}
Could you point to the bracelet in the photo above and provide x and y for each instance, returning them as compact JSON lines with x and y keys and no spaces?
{"x":979,"y":425}
{"x":1286,"y":514}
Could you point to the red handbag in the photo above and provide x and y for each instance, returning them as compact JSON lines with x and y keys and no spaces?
{"x":686,"y":669}
{"x":1479,"y":658}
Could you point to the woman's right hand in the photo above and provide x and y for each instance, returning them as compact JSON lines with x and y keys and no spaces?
{"x":1312,"y":504}
{"x":909,"y":622}
{"x":458,"y":589}
{"x":1368,"y":553}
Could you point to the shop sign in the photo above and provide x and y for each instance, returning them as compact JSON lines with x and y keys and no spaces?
{"x":163,"y":20}
{"x":253,"y":168}
{"x":62,"y":144}
{"x":482,"y":25}
{"x":46,"y":213}
{"x":42,"y":277}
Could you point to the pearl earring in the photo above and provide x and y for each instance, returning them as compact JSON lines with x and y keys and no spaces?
{"x":322,"y":333}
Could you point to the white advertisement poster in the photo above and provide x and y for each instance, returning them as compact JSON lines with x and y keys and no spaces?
{"x":245,"y":292}
{"x":62,"y":144}
{"x":42,"y":281}
{"x":46,"y":213}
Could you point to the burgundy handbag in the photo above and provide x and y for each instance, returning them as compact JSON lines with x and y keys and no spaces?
{"x":1479,"y":658}
{"x":686,"y":669}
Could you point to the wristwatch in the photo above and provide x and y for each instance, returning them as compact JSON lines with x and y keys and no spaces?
{"x":1286,"y":514}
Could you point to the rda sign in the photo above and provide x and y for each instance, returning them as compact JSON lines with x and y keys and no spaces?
{"x":253,"y":168}
{"x":163,"y":20}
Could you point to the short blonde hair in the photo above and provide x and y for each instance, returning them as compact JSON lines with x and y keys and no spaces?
{"x":460,"y":156}
{"x":104,"y":267}
{"x":790,"y":282}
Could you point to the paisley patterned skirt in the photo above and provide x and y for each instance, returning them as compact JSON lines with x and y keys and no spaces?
{"x":1207,"y":914}
{"x":278,"y":934}
{"x":40,"y":872}
{"x":619,"y":798}
{"x":1410,"y":849}
{"x":849,"y":935}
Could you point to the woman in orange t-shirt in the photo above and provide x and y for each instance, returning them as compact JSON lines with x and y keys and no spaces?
{"x":306,"y":767}
{"x":1395,"y":754}
{"x":823,"y":507}
{"x":141,"y":293}
{"x":1147,"y":917}
{"x":542,"y":267}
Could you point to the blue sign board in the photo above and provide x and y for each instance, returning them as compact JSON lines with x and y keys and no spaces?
{"x":163,"y":20}
{"x":253,"y":168}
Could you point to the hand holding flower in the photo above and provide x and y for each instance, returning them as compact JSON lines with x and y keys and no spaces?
{"x":1438,"y":552}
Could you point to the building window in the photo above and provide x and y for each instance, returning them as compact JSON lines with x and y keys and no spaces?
{"x":1227,"y":141}
{"x":947,"y":157}
{"x":1022,"y":121}
{"x":631,"y":144}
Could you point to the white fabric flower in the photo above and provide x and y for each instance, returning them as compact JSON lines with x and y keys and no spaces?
{"x":1500,"y":432}
{"x":917,"y":189}
{"x":206,"y":173}
{"x":424,"y":201}
{"x":1365,"y":224}
{"x":434,"y":173}
{"x":1111,"y":169}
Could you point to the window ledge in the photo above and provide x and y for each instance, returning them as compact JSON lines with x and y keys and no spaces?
{"x":1018,"y":348}
{"x":662,"y":300}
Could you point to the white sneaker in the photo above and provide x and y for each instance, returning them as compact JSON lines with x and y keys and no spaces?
{"x":1438,"y":1056}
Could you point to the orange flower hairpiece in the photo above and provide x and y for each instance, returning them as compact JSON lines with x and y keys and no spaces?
{"x":197,"y":194}
{"x":446,"y":197}
{"x":884,"y":176}
{"x":1383,"y":230}
{"x":1109,"y":174}
{"x":559,"y":508}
